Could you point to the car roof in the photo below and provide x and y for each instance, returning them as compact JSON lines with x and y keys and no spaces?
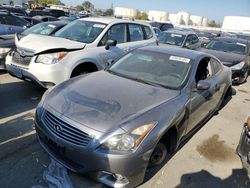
{"x":109,"y":20}
{"x":230,"y":39}
{"x":175,"y":51}
{"x":180,"y":31}
{"x":56,"y":23}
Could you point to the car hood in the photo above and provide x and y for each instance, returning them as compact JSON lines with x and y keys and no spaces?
{"x":228,"y":59}
{"x":41,"y":43}
{"x":103,"y":101}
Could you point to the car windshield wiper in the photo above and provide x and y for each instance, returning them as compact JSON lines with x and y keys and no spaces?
{"x":150,"y":83}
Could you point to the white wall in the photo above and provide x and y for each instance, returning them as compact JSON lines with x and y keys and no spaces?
{"x":158,"y":16}
{"x":125,"y":12}
{"x":237,"y":23}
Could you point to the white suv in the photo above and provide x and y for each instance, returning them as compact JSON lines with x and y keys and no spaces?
{"x":83,"y":46}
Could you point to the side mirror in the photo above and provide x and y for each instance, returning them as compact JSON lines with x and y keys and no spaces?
{"x":203,"y":85}
{"x":110,"y":43}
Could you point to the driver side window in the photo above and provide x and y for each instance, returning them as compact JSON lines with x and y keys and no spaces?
{"x":189,"y":40}
{"x":204,"y":70}
{"x":116,"y":32}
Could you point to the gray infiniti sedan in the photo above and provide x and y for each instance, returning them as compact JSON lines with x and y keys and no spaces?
{"x":115,"y":123}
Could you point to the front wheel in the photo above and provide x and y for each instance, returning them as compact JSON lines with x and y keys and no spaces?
{"x":159,"y":155}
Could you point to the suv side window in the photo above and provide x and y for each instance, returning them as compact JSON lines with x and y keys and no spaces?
{"x":135,"y":32}
{"x":216,"y":66}
{"x":189,"y":40}
{"x":195,"y":39}
{"x":13,"y":20}
{"x":148,"y":32}
{"x":116,"y":32}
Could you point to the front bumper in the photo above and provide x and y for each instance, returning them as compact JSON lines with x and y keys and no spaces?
{"x":43,"y":75}
{"x":243,"y":148}
{"x":99,"y":164}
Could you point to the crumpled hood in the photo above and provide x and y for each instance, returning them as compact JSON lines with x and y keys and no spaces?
{"x":103,"y":101}
{"x":228,"y":59}
{"x":42,"y":43}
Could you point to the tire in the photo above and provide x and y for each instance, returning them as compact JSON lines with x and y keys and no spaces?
{"x":159,"y":155}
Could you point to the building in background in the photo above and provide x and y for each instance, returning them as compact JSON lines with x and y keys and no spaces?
{"x":122,"y":12}
{"x":158,"y":16}
{"x":236,"y":23}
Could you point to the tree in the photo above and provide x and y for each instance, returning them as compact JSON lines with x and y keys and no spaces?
{"x":109,"y":12}
{"x":212,"y":23}
{"x":79,"y":7}
{"x":45,"y":2}
{"x":87,"y":5}
{"x":141,"y":16}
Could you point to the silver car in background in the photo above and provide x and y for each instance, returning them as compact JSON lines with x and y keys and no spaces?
{"x":83,"y":46}
{"x":114,"y":123}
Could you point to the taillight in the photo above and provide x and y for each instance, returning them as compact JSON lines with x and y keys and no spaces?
{"x":248,"y":123}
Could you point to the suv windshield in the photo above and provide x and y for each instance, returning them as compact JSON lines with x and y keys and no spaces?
{"x":81,"y":31}
{"x":153,"y":68}
{"x":171,"y":38}
{"x":225,"y":46}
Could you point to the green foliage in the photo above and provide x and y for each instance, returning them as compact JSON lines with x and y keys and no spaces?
{"x":212,"y":23}
{"x":141,"y":16}
{"x":109,"y":12}
{"x":44,"y":2}
{"x":87,"y":5}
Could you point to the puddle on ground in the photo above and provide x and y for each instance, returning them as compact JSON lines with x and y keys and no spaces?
{"x":242,"y":90}
{"x":215,"y":149}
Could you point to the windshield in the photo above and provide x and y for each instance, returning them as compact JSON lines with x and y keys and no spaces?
{"x":171,"y":38}
{"x":41,"y":29}
{"x":81,"y":31}
{"x":224,"y":46}
{"x":153,"y":68}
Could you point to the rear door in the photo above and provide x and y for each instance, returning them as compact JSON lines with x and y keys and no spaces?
{"x":14,"y":24}
{"x":3,"y":27}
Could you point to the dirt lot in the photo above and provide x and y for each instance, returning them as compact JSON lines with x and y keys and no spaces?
{"x":207,"y":160}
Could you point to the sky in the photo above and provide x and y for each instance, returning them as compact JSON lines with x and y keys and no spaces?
{"x":212,"y":9}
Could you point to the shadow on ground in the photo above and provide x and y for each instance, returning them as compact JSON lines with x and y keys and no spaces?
{"x":204,"y":179}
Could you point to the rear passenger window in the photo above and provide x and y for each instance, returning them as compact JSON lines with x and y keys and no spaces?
{"x":148,"y":32}
{"x":135,"y":32}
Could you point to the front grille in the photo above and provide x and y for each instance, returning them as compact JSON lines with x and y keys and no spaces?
{"x":23,"y":60}
{"x":65,"y":131}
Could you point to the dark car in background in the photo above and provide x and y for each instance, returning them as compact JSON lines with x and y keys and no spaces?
{"x":6,"y":44}
{"x":163,"y":26}
{"x":16,"y":11}
{"x":233,"y":53}
{"x":45,"y":28}
{"x":47,"y":12}
{"x":243,"y":148}
{"x":133,"y":115}
{"x":206,"y":36}
{"x":180,"y":38}
{"x":11,"y":24}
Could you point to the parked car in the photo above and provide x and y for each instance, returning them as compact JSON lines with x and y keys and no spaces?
{"x":5,"y":46}
{"x":117,"y":122}
{"x":243,"y":148}
{"x":180,"y":38}
{"x":234,"y":53}
{"x":44,"y":18}
{"x":205,"y":37}
{"x":47,"y":12}
{"x":10,"y":24}
{"x":15,"y":11}
{"x":46,"y":28}
{"x":163,"y":26}
{"x":83,"y":46}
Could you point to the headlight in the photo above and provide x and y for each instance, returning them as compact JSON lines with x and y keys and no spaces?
{"x":238,"y":66}
{"x":129,"y":141}
{"x":49,"y":59}
{"x":4,"y":50}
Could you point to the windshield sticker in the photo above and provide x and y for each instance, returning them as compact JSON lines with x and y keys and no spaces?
{"x":99,"y":25}
{"x":52,"y":26}
{"x":241,"y":44}
{"x":176,"y":35}
{"x":181,"y":59}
